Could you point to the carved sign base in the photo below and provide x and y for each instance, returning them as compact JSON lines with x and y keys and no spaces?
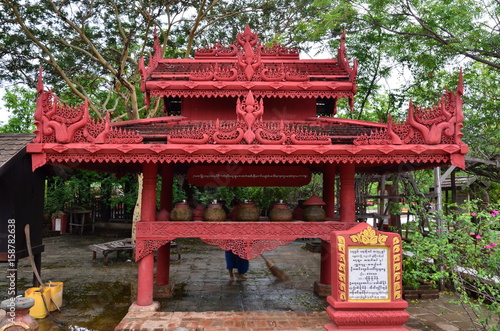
{"x":367,"y":316}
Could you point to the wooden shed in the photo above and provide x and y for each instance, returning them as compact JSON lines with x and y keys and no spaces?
{"x":21,"y":201}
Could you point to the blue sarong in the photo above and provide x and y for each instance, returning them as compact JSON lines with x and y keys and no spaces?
{"x":234,"y":261}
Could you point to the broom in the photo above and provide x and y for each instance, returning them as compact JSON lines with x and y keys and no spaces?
{"x":277,"y":272}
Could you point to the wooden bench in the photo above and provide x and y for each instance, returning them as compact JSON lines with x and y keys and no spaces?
{"x":120,"y":245}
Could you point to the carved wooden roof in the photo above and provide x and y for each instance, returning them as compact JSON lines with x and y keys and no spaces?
{"x":429,"y":137}
{"x":248,"y":65}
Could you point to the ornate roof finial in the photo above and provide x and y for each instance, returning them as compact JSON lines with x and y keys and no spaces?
{"x":39,"y":87}
{"x":158,"y":54}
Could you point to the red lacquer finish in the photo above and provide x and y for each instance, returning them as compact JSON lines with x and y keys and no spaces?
{"x":347,"y":193}
{"x":166,"y":196}
{"x":256,"y":112}
{"x":148,"y":215}
{"x":247,"y":239}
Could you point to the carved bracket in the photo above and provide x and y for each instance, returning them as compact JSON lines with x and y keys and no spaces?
{"x":247,"y":249}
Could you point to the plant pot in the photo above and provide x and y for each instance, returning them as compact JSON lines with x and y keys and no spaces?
{"x":314,"y":214}
{"x":198,"y":213}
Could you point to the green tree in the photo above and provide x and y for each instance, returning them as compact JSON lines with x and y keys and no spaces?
{"x":412,"y":49}
{"x":20,"y":103}
{"x":90,"y":49}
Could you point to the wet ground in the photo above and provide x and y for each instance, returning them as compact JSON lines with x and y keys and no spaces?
{"x":97,"y":296}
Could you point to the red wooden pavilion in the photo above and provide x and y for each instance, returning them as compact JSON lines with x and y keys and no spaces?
{"x":242,"y":115}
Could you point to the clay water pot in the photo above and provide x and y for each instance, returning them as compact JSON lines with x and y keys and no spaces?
{"x":298,"y":212}
{"x":214,"y":213}
{"x":181,"y":212}
{"x":313,"y":212}
{"x":198,"y":213}
{"x":247,"y":212}
{"x":280,"y":212}
{"x":163,"y":216}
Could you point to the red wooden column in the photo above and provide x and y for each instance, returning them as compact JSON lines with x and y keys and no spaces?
{"x":347,"y":193}
{"x":148,"y":214}
{"x":166,"y":196}
{"x":329,"y":199}
{"x":329,"y":190}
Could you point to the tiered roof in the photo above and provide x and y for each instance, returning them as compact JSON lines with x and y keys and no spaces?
{"x":243,"y":78}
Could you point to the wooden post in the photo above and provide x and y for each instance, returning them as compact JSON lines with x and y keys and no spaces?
{"x":329,"y":190}
{"x":166,"y":196}
{"x":148,"y":214}
{"x":347,"y":193}
{"x":329,"y":199}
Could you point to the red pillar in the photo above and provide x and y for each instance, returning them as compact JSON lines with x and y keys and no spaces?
{"x":148,"y":214}
{"x":329,"y":199}
{"x":166,"y":196}
{"x":329,"y":190}
{"x":347,"y":193}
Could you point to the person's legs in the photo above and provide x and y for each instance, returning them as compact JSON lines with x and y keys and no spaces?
{"x":242,"y":266}
{"x":230,"y":264}
{"x":234,"y":261}
{"x":231,"y":275}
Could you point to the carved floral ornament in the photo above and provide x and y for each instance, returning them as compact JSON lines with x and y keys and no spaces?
{"x":440,"y":124}
{"x":246,"y":239}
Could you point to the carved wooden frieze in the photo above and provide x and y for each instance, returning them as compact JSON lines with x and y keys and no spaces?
{"x":248,"y":129}
{"x":248,"y":239}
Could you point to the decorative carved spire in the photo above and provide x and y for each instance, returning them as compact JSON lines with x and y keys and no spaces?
{"x":249,"y":60}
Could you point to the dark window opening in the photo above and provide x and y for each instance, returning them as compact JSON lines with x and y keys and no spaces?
{"x":172,"y":106}
{"x":325,"y":107}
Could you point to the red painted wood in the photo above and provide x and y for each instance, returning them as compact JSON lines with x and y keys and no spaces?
{"x":145,"y":280}
{"x":148,"y":215}
{"x":250,"y":105}
{"x":166,"y":196}
{"x":329,"y":190}
{"x":347,"y":193}
{"x":247,"y":239}
{"x":246,"y":175}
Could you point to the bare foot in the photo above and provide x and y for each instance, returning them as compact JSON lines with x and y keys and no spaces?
{"x":231,"y":279}
{"x":239,"y":276}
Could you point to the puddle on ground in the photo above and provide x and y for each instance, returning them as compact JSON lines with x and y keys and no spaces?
{"x":90,"y":307}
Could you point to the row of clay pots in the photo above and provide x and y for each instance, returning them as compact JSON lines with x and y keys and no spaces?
{"x":247,"y":211}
